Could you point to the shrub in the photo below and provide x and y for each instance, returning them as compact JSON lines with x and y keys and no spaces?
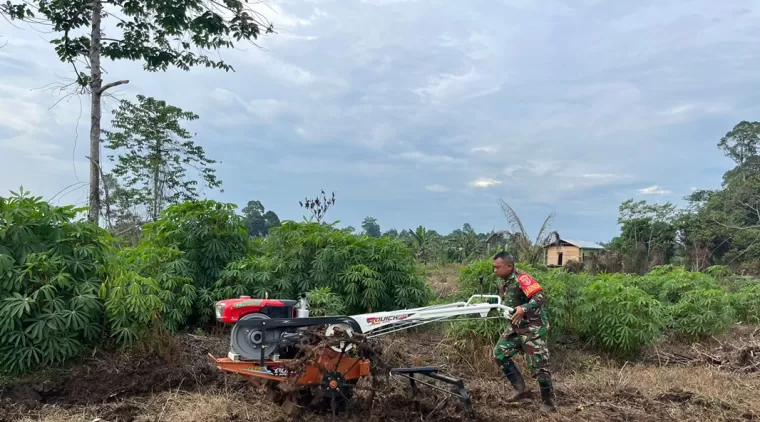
{"x":210,"y":235}
{"x":618,"y":317}
{"x":147,"y":285}
{"x":469,"y":276}
{"x":703,"y":312}
{"x":51,"y":268}
{"x":746,"y":302}
{"x":562,"y":290}
{"x":668,"y":283}
{"x":323,"y":302}
{"x":369,"y":274}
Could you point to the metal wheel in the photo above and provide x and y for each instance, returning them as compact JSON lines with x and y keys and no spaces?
{"x":248,"y":342}
{"x":349,"y":332}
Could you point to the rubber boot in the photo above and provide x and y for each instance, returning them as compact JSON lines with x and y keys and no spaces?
{"x":547,"y":397}
{"x":515,"y":378}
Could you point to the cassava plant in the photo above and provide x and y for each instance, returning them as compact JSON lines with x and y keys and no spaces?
{"x":148,"y":287}
{"x":322,"y":302}
{"x":210,"y":235}
{"x":618,"y":317}
{"x":703,"y":312}
{"x":369,"y":274}
{"x":51,"y":266}
{"x":746,"y":302}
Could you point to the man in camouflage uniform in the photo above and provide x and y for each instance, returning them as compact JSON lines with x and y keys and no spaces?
{"x":527,"y":332}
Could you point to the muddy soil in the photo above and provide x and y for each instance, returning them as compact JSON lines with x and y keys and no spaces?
{"x":184,"y":385}
{"x":111,"y":378}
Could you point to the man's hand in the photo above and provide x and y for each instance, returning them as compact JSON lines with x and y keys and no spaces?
{"x":518,"y":315}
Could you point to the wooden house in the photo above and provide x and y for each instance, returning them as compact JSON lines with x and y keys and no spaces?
{"x":569,"y":250}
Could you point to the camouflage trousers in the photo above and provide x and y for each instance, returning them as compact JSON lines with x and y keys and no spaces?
{"x":534,"y":347}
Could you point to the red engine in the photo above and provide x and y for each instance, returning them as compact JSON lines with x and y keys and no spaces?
{"x":230,"y":311}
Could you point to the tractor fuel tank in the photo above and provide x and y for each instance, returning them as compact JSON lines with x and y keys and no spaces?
{"x":229,"y":311}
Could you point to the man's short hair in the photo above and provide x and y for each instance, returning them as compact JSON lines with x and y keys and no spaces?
{"x":506,"y":257}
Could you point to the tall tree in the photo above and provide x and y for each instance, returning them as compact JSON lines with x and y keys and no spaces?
{"x":153,"y":151}
{"x":123,"y":218}
{"x":161,"y":34}
{"x":371,"y":228}
{"x":257,"y":221}
{"x":463,"y":243}
{"x":648,"y":234}
{"x":392,"y":233}
{"x":742,"y":142}
{"x":422,"y":242}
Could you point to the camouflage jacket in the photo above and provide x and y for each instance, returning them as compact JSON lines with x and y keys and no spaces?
{"x":523,"y":290}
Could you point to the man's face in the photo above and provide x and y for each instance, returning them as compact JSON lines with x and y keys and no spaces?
{"x":502,"y":269}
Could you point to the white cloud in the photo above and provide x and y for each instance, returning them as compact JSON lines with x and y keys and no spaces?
{"x":653,"y":190}
{"x":456,"y":87}
{"x":437,"y":188}
{"x":484,"y":182}
{"x":490,"y":149}
{"x":429,"y":159}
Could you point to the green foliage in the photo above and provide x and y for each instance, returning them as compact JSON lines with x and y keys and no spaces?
{"x":466,"y":336}
{"x":153,"y":153}
{"x":563,"y":292}
{"x":746,"y":302}
{"x":703,"y":312}
{"x":647,"y":235}
{"x":368,"y":273}
{"x":371,"y":228}
{"x":148,"y":34}
{"x":323,"y":302}
{"x":148,"y":285}
{"x":742,"y":142}
{"x":619,"y":317}
{"x":257,"y":221}
{"x":210,"y":235}
{"x":669,"y":284}
{"x":619,"y":313}
{"x":50,"y":273}
{"x":469,"y":279}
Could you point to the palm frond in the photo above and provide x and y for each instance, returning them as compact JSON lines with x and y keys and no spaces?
{"x":540,"y":239}
{"x":513,"y":219}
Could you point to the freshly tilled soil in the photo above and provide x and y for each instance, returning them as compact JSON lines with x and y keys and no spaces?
{"x":184,"y":385}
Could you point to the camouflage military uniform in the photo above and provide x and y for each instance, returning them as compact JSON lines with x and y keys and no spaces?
{"x":530,"y":334}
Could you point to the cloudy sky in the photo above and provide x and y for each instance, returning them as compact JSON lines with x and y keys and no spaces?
{"x":427,"y":112}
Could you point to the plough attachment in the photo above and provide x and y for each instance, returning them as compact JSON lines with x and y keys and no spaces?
{"x":276,"y":344}
{"x":433,"y":372}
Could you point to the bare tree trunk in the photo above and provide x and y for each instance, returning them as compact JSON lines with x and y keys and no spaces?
{"x":96,"y":86}
{"x":156,"y":160}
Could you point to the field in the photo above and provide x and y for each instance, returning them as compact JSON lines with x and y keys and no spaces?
{"x":715,"y":379}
